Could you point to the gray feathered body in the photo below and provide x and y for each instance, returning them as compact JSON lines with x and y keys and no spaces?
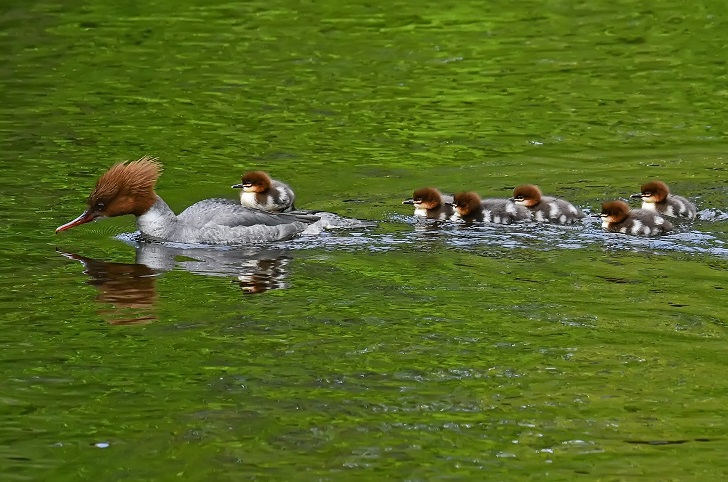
{"x":220,"y":222}
{"x":498,"y":211}
{"x":673,"y":205}
{"x":555,"y":210}
{"x":640,"y":222}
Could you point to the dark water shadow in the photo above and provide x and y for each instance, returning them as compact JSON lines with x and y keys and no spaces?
{"x":127,"y":292}
{"x":670,"y":442}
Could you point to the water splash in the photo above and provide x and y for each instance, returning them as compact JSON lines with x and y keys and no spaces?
{"x":409,"y":232}
{"x":542,"y":237}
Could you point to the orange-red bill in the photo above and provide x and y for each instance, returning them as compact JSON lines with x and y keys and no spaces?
{"x":84,"y":218}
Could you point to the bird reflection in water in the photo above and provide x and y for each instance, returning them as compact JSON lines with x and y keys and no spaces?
{"x":130,"y":289}
{"x":266,"y":274}
{"x":127,"y":291}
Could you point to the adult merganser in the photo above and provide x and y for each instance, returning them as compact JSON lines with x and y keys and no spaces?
{"x":617,"y":218}
{"x":430,"y":204}
{"x":470,"y":208}
{"x":262,"y":192}
{"x":546,"y":208}
{"x":656,"y":196}
{"x":128,"y":188}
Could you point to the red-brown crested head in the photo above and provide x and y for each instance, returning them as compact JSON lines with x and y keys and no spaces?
{"x":654,"y":191}
{"x":425,"y":198}
{"x":527,"y":195}
{"x":126,"y":188}
{"x":614,"y":211}
{"x":466,"y":203}
{"x":255,"y":181}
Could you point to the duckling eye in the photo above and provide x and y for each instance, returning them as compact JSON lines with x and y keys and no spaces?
{"x":100,"y":206}
{"x":647,"y":193}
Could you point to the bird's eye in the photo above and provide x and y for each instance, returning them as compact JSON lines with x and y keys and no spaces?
{"x":100,"y":206}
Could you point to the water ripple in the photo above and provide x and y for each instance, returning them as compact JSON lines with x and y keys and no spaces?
{"x":541,"y":237}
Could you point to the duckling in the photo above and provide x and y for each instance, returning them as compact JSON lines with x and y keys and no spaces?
{"x":429,"y":203}
{"x":261,"y":192}
{"x":617,"y":218}
{"x":470,"y":208}
{"x":656,"y":196}
{"x":546,"y":208}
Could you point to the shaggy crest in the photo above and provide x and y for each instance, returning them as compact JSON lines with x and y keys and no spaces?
{"x":130,"y":179}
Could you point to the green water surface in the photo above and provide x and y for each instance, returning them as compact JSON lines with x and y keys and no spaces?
{"x":393,"y":353}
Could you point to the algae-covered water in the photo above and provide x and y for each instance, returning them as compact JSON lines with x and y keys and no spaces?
{"x":399,"y":352}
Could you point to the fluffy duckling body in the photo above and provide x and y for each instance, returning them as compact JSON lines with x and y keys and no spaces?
{"x":470,"y":208}
{"x":656,"y":196}
{"x":618,"y":218}
{"x":546,"y":209}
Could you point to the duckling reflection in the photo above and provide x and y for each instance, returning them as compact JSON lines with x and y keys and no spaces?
{"x":130,"y":288}
{"x":269,"y":274}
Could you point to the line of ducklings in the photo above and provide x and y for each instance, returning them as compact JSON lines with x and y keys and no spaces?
{"x":528,"y":203}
